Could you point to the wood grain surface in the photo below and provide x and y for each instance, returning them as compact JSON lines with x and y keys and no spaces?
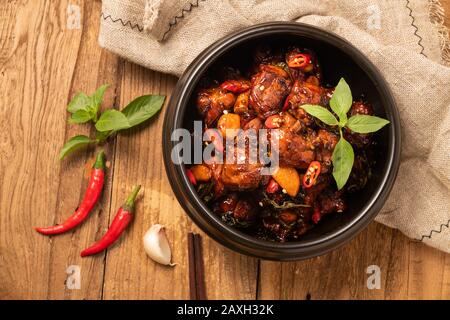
{"x":43,"y":63}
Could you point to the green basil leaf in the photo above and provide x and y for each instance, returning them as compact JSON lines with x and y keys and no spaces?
{"x":343,"y":157}
{"x":73,"y":144}
{"x":143,"y":108}
{"x":89,"y":104}
{"x":112,"y":120}
{"x":80,"y":116}
{"x":321,"y":113}
{"x":97,"y":97}
{"x":96,"y":100}
{"x":365,"y":124}
{"x":342,"y":100}
{"x":80,"y":102}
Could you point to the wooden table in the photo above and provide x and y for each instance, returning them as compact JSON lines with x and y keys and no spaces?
{"x":42,"y":65}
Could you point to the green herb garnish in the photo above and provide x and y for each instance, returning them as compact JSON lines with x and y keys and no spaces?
{"x":86,"y":108}
{"x":343,"y":154}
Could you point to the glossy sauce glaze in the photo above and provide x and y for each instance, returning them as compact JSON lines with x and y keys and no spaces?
{"x":269,"y":95}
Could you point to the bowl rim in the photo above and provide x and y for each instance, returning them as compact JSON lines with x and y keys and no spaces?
{"x":232,"y":237}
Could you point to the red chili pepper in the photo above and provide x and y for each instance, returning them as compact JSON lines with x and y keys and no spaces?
{"x":316,"y":215}
{"x":272,"y":187}
{"x":311,"y":175}
{"x":236,"y":86}
{"x":300,"y":60}
{"x":287,"y":102}
{"x":191,"y":177}
{"x":120,"y":222}
{"x":90,"y":198}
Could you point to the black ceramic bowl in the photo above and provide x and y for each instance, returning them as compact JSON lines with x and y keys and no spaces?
{"x":338,"y":59}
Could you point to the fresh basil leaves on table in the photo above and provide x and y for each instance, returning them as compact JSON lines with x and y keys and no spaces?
{"x":340,"y":103}
{"x":86,"y":108}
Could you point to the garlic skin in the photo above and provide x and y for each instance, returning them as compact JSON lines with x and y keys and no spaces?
{"x":157,"y":246}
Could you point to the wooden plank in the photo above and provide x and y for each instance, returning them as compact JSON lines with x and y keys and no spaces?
{"x":341,"y":274}
{"x":446,"y":6}
{"x":35,"y":80}
{"x":44,"y":62}
{"x":138,"y":160}
{"x":426,"y":273}
{"x":94,"y":67}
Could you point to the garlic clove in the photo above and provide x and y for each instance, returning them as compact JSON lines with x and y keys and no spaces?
{"x":157,"y":246}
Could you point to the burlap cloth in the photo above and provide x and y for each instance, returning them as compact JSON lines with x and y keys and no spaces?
{"x":405,"y":39}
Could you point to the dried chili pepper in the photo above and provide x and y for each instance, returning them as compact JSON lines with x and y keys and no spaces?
{"x":317,"y":215}
{"x":236,"y":86}
{"x":287,"y":102}
{"x":300,"y":60}
{"x":120,"y":222}
{"x":90,"y":198}
{"x":272,"y":187}
{"x":191,"y":177}
{"x":311,"y":175}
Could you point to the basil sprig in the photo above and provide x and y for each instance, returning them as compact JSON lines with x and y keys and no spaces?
{"x":86,"y":108}
{"x":75,"y":143}
{"x":340,"y":103}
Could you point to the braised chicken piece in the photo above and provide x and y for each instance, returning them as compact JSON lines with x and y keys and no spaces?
{"x":270,"y":86}
{"x":324,"y":144}
{"x":241,"y":104}
{"x":305,"y":93}
{"x":287,"y":225}
{"x":330,"y":202}
{"x":245,"y":210}
{"x":294,"y":149}
{"x":276,"y":228}
{"x":239,"y":208}
{"x":229,"y":202}
{"x":241,"y":176}
{"x":216,"y":173}
{"x":254,"y":124}
{"x":246,"y":176}
{"x":288,"y":216}
{"x":212,"y":102}
{"x":358,"y":139}
{"x":322,"y":184}
{"x":237,"y":176}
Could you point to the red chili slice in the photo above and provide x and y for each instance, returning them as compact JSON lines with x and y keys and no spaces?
{"x":191,"y":177}
{"x":300,"y":60}
{"x":287,"y":102}
{"x":235,"y":86}
{"x":272,"y":187}
{"x":316,"y":215}
{"x":311,"y":175}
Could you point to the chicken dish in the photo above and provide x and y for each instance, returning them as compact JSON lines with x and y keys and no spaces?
{"x":269,"y":94}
